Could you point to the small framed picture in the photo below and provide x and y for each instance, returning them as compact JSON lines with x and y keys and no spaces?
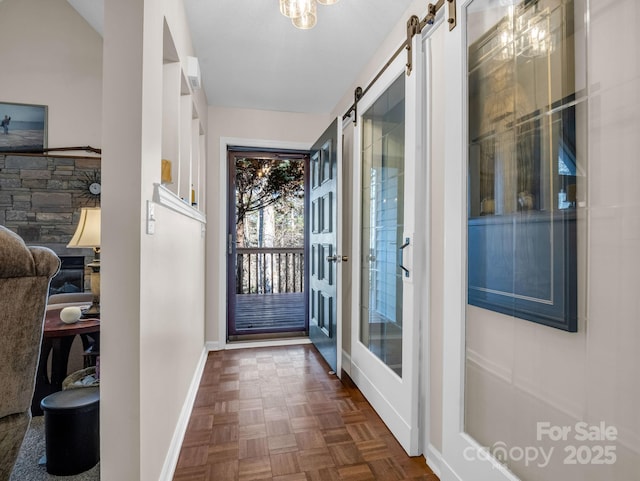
{"x":23,"y":127}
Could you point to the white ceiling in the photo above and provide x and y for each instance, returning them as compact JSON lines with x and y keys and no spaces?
{"x":252,"y":57}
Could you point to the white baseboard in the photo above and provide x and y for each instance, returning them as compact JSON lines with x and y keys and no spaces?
{"x":213,"y":346}
{"x":346,"y":362}
{"x":171,"y":460}
{"x":434,"y":459}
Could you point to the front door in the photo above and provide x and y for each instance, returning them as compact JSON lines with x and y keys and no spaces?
{"x":267,"y":282}
{"x":323,"y":241}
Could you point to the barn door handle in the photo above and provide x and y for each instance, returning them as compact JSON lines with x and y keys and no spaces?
{"x":407,"y":241}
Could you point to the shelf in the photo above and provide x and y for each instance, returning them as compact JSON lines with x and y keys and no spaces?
{"x":163,"y":196}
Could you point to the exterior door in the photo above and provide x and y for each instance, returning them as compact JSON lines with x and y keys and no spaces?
{"x":324,"y":259}
{"x":388,"y":245}
{"x":266,"y":241}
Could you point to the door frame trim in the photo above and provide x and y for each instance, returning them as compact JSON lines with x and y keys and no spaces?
{"x":221,"y":234}
{"x":432,"y":454}
{"x":341,"y":192}
{"x":273,"y":155}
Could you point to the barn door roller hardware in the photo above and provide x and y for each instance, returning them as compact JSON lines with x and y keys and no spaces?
{"x":414,"y":27}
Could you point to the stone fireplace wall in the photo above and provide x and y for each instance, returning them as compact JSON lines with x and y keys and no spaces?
{"x":41,"y":197}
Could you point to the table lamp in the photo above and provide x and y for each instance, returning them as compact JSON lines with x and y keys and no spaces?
{"x":88,"y":235}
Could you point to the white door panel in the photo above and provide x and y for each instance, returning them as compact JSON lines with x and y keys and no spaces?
{"x":384,"y":352}
{"x":462,"y":457}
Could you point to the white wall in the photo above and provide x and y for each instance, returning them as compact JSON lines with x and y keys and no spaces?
{"x":247,"y":128}
{"x":51,"y":56}
{"x":152,"y":285}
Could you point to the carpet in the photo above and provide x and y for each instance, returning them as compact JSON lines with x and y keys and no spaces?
{"x":33,"y":448}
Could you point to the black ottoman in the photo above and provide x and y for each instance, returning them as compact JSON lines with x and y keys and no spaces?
{"x":72,"y":430}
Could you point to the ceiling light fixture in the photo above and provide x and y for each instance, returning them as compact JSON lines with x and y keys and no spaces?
{"x":527,"y":31}
{"x":303,"y":13}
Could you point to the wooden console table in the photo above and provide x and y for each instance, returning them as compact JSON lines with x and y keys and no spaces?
{"x":57,"y":339}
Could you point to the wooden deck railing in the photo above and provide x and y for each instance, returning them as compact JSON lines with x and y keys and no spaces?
{"x":267,"y":270}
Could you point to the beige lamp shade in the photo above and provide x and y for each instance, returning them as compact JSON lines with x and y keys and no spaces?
{"x":88,"y":231}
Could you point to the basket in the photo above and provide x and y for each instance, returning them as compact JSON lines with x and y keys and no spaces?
{"x":82,"y":378}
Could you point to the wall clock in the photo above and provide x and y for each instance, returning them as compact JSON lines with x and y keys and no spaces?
{"x":92,"y":187}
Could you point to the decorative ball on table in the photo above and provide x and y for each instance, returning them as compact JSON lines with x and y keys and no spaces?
{"x":70,"y":315}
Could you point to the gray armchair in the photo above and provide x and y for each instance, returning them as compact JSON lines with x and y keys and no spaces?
{"x":25,"y":273}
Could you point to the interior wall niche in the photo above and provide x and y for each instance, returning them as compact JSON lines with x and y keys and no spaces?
{"x":182,"y":166}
